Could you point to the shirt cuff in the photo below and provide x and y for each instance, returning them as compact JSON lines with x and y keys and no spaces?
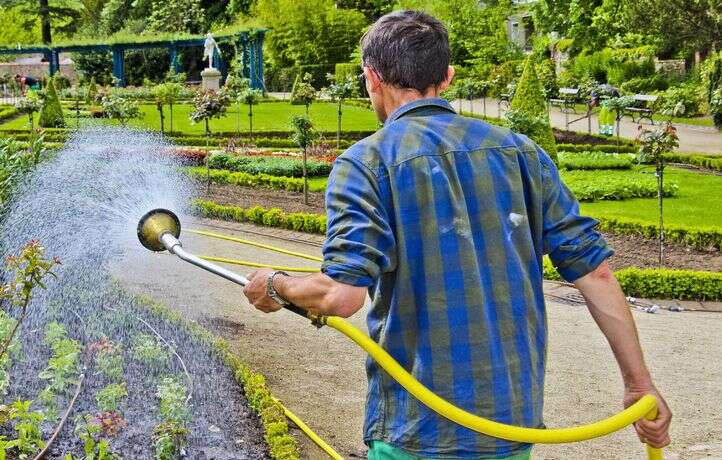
{"x":581,"y":257}
{"x":347,"y":274}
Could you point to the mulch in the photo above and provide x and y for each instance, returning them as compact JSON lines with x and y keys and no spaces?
{"x":630,"y":251}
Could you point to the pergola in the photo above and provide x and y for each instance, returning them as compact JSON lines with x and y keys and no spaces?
{"x":248,"y":43}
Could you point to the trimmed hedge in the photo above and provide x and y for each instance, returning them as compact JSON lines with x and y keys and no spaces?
{"x":591,"y":186}
{"x":265,"y":142}
{"x":275,"y":426}
{"x":222,"y":176}
{"x":299,"y":221}
{"x":708,"y":162}
{"x":660,"y":282}
{"x":8,"y":112}
{"x":578,"y":148}
{"x":274,"y":166}
{"x":594,"y":160}
{"x":697,"y":238}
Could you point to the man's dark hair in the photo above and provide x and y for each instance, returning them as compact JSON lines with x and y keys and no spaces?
{"x":408,"y":49}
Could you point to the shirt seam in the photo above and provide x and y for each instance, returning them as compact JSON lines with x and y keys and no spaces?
{"x":523,"y":149}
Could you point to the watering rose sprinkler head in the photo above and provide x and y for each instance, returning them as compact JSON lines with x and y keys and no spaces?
{"x":154,"y":224}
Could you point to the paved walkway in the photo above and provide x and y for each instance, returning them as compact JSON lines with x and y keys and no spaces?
{"x":319,"y":374}
{"x":691,"y":138}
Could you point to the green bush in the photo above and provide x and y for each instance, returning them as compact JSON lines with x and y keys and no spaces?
{"x":51,"y":114}
{"x":529,"y":99}
{"x":623,"y":148}
{"x":274,"y":166}
{"x":709,"y":162}
{"x":594,"y":160}
{"x":344,"y":70}
{"x":8,"y":112}
{"x":303,"y":222}
{"x":697,"y":238}
{"x":593,"y":186}
{"x":220,"y":176}
{"x":661,"y":283}
{"x":644,"y":85}
{"x":681,"y":101}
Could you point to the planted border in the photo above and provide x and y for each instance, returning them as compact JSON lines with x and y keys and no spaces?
{"x":222,"y":176}
{"x":698,"y":238}
{"x":701,"y":161}
{"x":299,"y":221}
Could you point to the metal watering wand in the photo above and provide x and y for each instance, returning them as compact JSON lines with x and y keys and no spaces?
{"x":159,"y":230}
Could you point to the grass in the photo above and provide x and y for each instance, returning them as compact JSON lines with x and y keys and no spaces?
{"x":266,"y":117}
{"x":696,"y":204}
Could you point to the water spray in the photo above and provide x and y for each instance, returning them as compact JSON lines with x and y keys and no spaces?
{"x":159,"y":230}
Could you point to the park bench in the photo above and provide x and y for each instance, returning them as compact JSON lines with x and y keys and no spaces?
{"x":643,"y":108}
{"x":567,"y":99}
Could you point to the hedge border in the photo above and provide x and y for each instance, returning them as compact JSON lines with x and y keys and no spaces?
{"x":274,"y":217}
{"x":708,"y":162}
{"x":661,"y":283}
{"x":697,"y":238}
{"x":223,"y":176}
{"x":275,"y":425}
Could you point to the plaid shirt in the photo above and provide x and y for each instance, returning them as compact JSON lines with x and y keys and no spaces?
{"x":446,"y":220}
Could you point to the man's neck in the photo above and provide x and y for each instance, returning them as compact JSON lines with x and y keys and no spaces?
{"x":398,"y":98}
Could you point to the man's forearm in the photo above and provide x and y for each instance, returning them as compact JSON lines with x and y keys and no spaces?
{"x":320,"y":294}
{"x":609,"y":309}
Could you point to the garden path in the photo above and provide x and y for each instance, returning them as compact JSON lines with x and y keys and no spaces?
{"x":320,"y":375}
{"x":691,"y":138}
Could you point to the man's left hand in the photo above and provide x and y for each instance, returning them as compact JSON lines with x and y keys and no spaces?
{"x":256,"y":291}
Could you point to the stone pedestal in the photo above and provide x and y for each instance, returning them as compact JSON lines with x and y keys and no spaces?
{"x":211,"y":79}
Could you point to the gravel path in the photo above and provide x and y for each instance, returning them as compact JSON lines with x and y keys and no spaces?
{"x":319,"y":374}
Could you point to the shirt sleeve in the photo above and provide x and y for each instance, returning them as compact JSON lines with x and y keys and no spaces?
{"x":360,"y":242}
{"x":574,"y":245}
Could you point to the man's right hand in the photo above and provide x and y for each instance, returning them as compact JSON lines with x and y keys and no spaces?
{"x":653,"y":432}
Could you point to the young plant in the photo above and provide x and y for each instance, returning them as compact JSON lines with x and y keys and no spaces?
{"x":94,"y":447}
{"x":235,"y":86}
{"x":166,"y":94}
{"x":30,"y":268}
{"x":119,"y":108}
{"x":209,"y":104}
{"x":62,"y":369}
{"x":251,"y":97}
{"x":303,"y":92}
{"x":28,"y":440}
{"x":148,"y":351}
{"x":338,"y":92}
{"x":110,"y":422}
{"x":171,"y":435}
{"x":654,"y":143}
{"x":110,"y":397}
{"x":29,"y":105}
{"x":303,"y":134}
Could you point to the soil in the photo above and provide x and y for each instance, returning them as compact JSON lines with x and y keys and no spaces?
{"x":630,"y":251}
{"x":573,"y":137}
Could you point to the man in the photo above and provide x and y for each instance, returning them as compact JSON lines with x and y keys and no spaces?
{"x":445,"y":220}
{"x":25,"y":82}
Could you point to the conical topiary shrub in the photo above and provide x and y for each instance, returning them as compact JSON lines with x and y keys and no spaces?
{"x":92,"y":92}
{"x":529,"y":98}
{"x":51,"y":113}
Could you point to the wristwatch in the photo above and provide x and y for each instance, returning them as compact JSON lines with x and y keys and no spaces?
{"x":271,"y":291}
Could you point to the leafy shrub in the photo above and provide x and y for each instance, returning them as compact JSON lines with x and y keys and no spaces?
{"x":594,"y":160}
{"x":591,"y":186}
{"x":51,"y":113}
{"x":8,"y":112}
{"x":222,"y":176}
{"x":535,"y":127}
{"x":644,"y":84}
{"x":708,"y":162}
{"x":310,"y":223}
{"x":147,"y":350}
{"x":110,"y":396}
{"x":274,"y":166}
{"x":622,"y":148}
{"x":661,"y":283}
{"x":696,"y":238}
{"x":716,"y":108}
{"x":681,"y":101}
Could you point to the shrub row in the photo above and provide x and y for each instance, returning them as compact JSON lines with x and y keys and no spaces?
{"x":299,"y":221}
{"x":222,"y":176}
{"x":660,"y":283}
{"x":274,"y":166}
{"x":588,"y":187}
{"x":701,"y":161}
{"x":623,"y":148}
{"x":697,"y":238}
{"x":594,"y":160}
{"x":281,"y":443}
{"x":8,"y":112}
{"x":262,"y":142}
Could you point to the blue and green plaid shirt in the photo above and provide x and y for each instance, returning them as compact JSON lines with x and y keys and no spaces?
{"x":446,"y":220}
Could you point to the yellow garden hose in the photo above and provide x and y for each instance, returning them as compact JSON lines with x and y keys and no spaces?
{"x":646,"y":407}
{"x":253,"y":243}
{"x":310,"y":433}
{"x":258,"y":265}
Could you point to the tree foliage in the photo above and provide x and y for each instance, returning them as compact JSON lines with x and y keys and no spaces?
{"x":176,"y":16}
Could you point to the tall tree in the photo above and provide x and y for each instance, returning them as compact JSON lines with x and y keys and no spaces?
{"x":58,"y":16}
{"x":372,"y":9}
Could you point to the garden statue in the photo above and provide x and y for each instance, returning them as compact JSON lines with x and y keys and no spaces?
{"x":210,"y":75}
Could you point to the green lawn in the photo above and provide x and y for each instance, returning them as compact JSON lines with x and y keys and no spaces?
{"x":697,"y":203}
{"x":266,"y":117}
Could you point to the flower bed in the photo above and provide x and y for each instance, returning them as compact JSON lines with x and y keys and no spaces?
{"x":271,"y":165}
{"x":593,"y":186}
{"x":594,"y":160}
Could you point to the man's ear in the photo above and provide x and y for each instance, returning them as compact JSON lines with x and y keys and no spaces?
{"x":450,"y":72}
{"x":373,"y":79}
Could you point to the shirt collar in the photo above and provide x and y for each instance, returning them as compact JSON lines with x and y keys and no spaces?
{"x":406,"y":108}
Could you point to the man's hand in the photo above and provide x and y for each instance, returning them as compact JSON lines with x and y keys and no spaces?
{"x":653,"y":432}
{"x":256,"y":291}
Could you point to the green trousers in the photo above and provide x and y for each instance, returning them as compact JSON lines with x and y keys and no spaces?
{"x":383,"y":451}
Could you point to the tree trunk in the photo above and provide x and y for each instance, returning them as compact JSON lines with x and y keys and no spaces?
{"x":238,"y":120}
{"x":305,"y":176}
{"x":338,"y":127}
{"x":45,"y":21}
{"x":162,"y":121}
{"x":171,"y":118}
{"x":208,"y":168}
{"x":660,"y":198}
{"x":250,"y":121}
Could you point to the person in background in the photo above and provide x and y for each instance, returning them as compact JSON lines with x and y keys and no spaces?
{"x":25,"y":82}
